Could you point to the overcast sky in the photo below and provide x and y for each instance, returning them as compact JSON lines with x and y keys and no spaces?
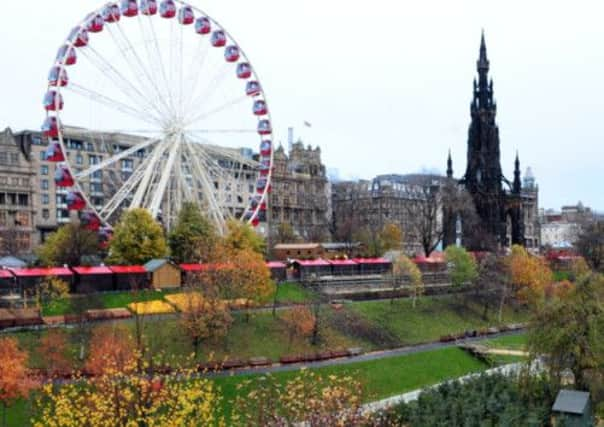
{"x":387,"y":84}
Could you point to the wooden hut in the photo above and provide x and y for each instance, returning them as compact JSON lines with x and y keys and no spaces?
{"x":8,"y":283}
{"x":572,"y":408}
{"x":164,"y":274}
{"x":344,"y":267}
{"x":93,"y":279}
{"x":305,"y":269}
{"x":278,"y":270}
{"x":29,"y":278}
{"x":373,"y":265}
{"x":129,"y":277}
{"x":286,"y":251}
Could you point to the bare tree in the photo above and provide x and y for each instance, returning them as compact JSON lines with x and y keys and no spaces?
{"x":9,"y":239}
{"x":590,"y":243}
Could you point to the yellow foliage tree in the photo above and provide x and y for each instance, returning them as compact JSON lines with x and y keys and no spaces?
{"x":530,"y":275}
{"x":405,"y":269}
{"x":299,"y":321}
{"x":137,"y":238}
{"x":131,"y":396}
{"x":391,"y":237}
{"x":309,"y":399}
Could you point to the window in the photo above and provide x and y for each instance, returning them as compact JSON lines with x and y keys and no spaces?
{"x":79,"y":159}
{"x":75,"y":145}
{"x":96,"y":187}
{"x":45,"y":213}
{"x":2,"y":198}
{"x":3,"y":157}
{"x":44,"y":184}
{"x":89,"y":146}
{"x":22,"y":219}
{"x":44,"y":169}
{"x":127,"y":164}
{"x":42,"y":155}
{"x":23,"y":199}
{"x":62,"y":213}
{"x":94,"y":160}
{"x":45,"y":199}
{"x":61,"y":199}
{"x":97,"y":174}
{"x":36,"y":140}
{"x":14,"y":158}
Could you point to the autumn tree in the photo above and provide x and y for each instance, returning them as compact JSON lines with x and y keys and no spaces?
{"x":308,"y":399}
{"x":242,"y":236}
{"x":204,"y":317}
{"x":299,"y":322}
{"x":570,"y":332}
{"x":530,"y":275}
{"x":53,"y":345}
{"x":110,"y":347}
{"x":122,"y":396}
{"x":491,"y":288}
{"x":405,"y":270}
{"x":137,"y":238}
{"x":193,"y":237}
{"x":15,"y":382}
{"x":68,"y":245}
{"x":391,"y":237}
{"x":285,"y":233}
{"x":590,"y":244}
{"x":461,"y":266}
{"x":50,"y":290}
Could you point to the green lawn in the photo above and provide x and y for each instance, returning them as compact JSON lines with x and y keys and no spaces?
{"x":381,"y":378}
{"x":292,"y":293}
{"x":101,"y":300}
{"x":432,"y":318}
{"x":385,"y":377}
{"x":510,"y":342}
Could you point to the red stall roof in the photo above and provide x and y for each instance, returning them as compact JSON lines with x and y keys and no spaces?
{"x":5,"y":274}
{"x":275,"y":264}
{"x":342,"y":262}
{"x":371,"y":260}
{"x":36,"y":272}
{"x":86,"y":271}
{"x":434,"y":258}
{"x":313,"y":263}
{"x":128,"y":269}
{"x":191,"y":267}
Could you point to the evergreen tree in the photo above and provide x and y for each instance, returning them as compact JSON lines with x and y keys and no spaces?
{"x":193,"y":237}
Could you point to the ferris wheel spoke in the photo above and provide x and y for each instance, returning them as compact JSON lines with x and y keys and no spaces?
{"x":210,"y":88}
{"x":109,"y":72}
{"x":200,"y":175}
{"x":196,"y":70}
{"x":124,"y":191}
{"x":166,"y":173}
{"x":208,"y":113}
{"x":136,"y":66}
{"x":160,"y":57}
{"x":117,"y":157}
{"x":113,"y":104}
{"x":147,"y":178}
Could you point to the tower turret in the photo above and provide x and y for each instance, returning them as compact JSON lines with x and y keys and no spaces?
{"x":449,"y":166}
{"x":517,"y":185}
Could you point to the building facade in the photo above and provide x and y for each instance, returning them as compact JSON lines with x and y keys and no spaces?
{"x":32,"y":205}
{"x":300,"y":192}
{"x":18,"y":212}
{"x":369,"y":205}
{"x":560,"y":228}
{"x":505,"y":213}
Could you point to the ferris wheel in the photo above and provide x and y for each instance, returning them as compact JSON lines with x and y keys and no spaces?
{"x":148,"y":105}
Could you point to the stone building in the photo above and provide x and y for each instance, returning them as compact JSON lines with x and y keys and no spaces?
{"x":300,"y":192}
{"x":17,"y":209}
{"x":560,"y":229}
{"x":32,"y":206}
{"x":371,"y":204}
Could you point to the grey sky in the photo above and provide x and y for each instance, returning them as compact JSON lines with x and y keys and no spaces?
{"x":387,"y":84}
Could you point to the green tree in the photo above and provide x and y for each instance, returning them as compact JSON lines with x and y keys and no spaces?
{"x":462,"y":266}
{"x":590,"y":244}
{"x":570,"y":332}
{"x":241,"y":236}
{"x":193,"y":237}
{"x":137,"y":238}
{"x":68,"y":245}
{"x":405,"y":269}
